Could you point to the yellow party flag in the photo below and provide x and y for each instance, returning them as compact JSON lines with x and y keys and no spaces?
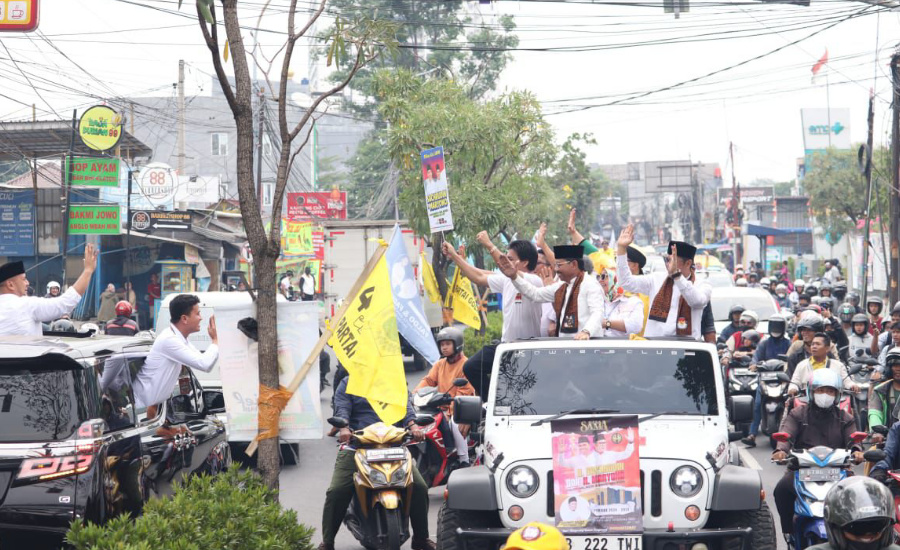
{"x":365,"y":341}
{"x":429,"y":281}
{"x":464,"y":301}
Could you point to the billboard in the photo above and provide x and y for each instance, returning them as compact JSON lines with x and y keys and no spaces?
{"x":17,"y":222}
{"x":668,"y":176}
{"x":824,"y":128}
{"x":331,"y":205}
{"x":749,"y":196}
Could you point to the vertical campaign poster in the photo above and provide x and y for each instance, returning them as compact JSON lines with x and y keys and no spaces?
{"x":437,"y":195}
{"x":597,"y":475}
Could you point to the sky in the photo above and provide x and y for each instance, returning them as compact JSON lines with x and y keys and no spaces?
{"x":646,"y":85}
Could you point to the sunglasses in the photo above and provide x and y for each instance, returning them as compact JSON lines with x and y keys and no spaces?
{"x":603,"y":276}
{"x":866,"y":527}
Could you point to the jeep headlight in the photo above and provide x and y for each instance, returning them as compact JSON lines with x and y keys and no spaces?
{"x":686,"y":481}
{"x":522,"y":481}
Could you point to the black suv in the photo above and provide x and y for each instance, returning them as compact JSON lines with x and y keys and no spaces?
{"x":73,"y":444}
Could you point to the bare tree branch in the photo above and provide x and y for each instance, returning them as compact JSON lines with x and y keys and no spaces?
{"x":360,"y":62}
{"x":211,"y":36}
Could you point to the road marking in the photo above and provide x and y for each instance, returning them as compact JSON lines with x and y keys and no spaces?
{"x":747,"y":459}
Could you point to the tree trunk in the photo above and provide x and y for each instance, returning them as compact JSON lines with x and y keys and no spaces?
{"x":267,"y":319}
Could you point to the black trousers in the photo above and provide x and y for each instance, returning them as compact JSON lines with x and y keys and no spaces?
{"x":785,"y":495}
{"x":478,"y":370}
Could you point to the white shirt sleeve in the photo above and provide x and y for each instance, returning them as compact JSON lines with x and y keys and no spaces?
{"x":634,"y":317}
{"x":799,"y":378}
{"x":641,"y":284}
{"x":177,"y":351}
{"x":496,"y":281}
{"x":50,"y":309}
{"x":696,"y":294}
{"x":536,"y":294}
{"x":596,"y":301}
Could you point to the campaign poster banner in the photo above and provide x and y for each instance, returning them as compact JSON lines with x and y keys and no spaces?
{"x":597,"y":475}
{"x":297,"y":238}
{"x":331,"y":205}
{"x":437,"y":195}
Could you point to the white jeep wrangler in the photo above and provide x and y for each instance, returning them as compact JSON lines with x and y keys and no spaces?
{"x":694,"y":493}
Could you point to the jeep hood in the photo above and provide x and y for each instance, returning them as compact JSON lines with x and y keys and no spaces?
{"x":671,"y":438}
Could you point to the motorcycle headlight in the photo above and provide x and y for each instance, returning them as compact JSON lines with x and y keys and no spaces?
{"x":377,"y":478}
{"x":686,"y":481}
{"x":398,"y":475}
{"x":773,"y":391}
{"x":522,"y":481}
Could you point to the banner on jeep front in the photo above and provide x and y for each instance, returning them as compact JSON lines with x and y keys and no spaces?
{"x":597,"y":475}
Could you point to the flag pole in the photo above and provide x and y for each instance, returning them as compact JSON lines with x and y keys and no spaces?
{"x":828,"y":103}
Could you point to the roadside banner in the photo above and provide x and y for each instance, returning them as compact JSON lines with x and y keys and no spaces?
{"x":411,"y":320}
{"x":597,"y":475}
{"x":365,"y":341}
{"x":429,"y":281}
{"x":437,"y":195}
{"x":297,"y":238}
{"x":464,"y":301}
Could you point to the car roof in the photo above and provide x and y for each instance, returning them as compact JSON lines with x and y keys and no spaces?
{"x":739,"y":291}
{"x":24,"y":347}
{"x":681,"y":342}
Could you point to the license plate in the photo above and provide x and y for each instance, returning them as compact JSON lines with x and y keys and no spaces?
{"x":385,"y":454}
{"x":768,"y":376}
{"x":605,"y":542}
{"x":820,"y":474}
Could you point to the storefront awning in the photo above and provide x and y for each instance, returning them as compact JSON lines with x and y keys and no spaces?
{"x":763,"y":231}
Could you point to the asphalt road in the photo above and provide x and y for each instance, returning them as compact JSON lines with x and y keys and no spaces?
{"x":303,"y":486}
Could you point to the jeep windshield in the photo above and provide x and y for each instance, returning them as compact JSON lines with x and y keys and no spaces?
{"x":632,"y":380}
{"x":41,"y":399}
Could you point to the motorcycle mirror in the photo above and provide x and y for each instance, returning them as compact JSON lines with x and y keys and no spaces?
{"x":856,"y":437}
{"x":854,"y":369}
{"x":423,"y":419}
{"x":875,"y":455}
{"x":783,"y":357}
{"x":880,"y":429}
{"x":783,"y":377}
{"x":460,"y":382}
{"x":782,"y":437}
{"x":338,"y":422}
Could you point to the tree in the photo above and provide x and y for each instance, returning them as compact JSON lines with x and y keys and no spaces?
{"x":837,"y":189}
{"x":360,"y":41}
{"x":498,"y":153}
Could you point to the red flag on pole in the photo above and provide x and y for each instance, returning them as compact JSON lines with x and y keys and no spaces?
{"x":820,"y":63}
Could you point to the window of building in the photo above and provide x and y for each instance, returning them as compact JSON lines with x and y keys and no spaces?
{"x":219,"y":144}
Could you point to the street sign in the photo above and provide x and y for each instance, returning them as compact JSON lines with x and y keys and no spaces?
{"x":19,"y":15}
{"x":94,"y":172}
{"x":94,"y":219}
{"x":100,"y":128}
{"x":160,"y":220}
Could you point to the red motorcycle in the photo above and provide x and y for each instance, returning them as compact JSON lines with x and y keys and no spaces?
{"x":433,"y":460}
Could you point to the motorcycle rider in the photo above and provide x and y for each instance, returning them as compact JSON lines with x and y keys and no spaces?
{"x":845,"y":314}
{"x":441,"y":376}
{"x":766,"y":284}
{"x":825,"y":289}
{"x":819,"y":422}
{"x":874,"y":307}
{"x":894,"y":344}
{"x":781,"y":296}
{"x":818,"y":360}
{"x":749,"y":321}
{"x":859,"y":515}
{"x":884,"y":396}
{"x":122,"y":325}
{"x":859,"y":339}
{"x":53,"y":290}
{"x":776,"y":344}
{"x":834,"y":329}
{"x":753,"y":280}
{"x":853,"y":298}
{"x":734,"y":314}
{"x":839,"y":290}
{"x":360,"y":414}
{"x":799,"y":285}
{"x":882,"y":339}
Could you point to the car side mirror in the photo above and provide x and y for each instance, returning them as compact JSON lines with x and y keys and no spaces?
{"x":467,"y":409}
{"x":461,"y":382}
{"x":338,"y":422}
{"x":214,"y":401}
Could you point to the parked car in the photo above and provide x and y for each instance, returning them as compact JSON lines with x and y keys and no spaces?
{"x":73,"y":444}
{"x":757,"y":299}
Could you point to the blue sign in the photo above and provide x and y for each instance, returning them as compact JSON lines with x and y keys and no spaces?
{"x":17,"y":209}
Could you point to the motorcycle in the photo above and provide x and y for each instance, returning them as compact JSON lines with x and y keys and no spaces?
{"x":861,"y":369}
{"x":741,"y":381}
{"x":433,"y":460}
{"x":816,"y":470}
{"x":773,"y":384}
{"x":378,"y":515}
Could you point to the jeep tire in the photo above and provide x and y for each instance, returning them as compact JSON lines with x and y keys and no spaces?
{"x":449,"y":520}
{"x":763,"y":537}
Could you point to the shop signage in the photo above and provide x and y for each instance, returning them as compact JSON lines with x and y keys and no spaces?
{"x":317,"y":206}
{"x":749,"y":196}
{"x":94,"y":172}
{"x":153,"y":220}
{"x":100,"y":128}
{"x":19,"y":15}
{"x":94,"y":219}
{"x":16,"y":222}
{"x":157,"y":182}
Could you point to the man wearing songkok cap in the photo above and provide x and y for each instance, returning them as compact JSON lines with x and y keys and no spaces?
{"x":21,"y":314}
{"x":676,"y":298}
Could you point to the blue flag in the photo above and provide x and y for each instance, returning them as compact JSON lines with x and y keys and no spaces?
{"x":411,"y":320}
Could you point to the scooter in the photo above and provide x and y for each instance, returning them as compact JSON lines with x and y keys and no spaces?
{"x":378,"y":515}
{"x":773,"y":384}
{"x":861,"y":369}
{"x":741,"y":381}
{"x":433,"y":460}
{"x":816,"y":470}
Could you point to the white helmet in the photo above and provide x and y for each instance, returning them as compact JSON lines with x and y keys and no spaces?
{"x":799,"y":282}
{"x":781,"y":287}
{"x":87,"y":327}
{"x":765,"y":281}
{"x":52,"y":284}
{"x":740,"y":282}
{"x":752,"y":315}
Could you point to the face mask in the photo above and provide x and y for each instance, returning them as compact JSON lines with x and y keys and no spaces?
{"x":823,"y":400}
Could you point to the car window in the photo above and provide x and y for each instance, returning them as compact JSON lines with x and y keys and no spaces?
{"x":763,"y":305}
{"x":629,"y":380}
{"x":143,"y":414}
{"x":44,"y":399}
{"x":185,"y":398}
{"x":116,"y":394}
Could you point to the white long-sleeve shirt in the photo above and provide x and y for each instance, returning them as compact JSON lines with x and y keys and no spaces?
{"x":629,"y":309}
{"x":171,"y":350}
{"x":696,"y":295}
{"x":804,"y":371}
{"x":23,"y":315}
{"x":591,"y":300}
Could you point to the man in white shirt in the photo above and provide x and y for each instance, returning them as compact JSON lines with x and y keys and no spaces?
{"x":307,"y":285}
{"x":171,"y":350}
{"x":521,"y":316}
{"x":285,"y":285}
{"x":21,"y":314}
{"x":577,"y":298}
{"x":676,"y":299}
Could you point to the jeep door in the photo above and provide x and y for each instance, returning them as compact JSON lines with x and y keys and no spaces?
{"x":204,"y":435}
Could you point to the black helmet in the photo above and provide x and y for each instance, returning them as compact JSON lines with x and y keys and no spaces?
{"x":853,"y":297}
{"x":875,"y":300}
{"x":840,"y":289}
{"x":751,"y":335}
{"x":812,"y":289}
{"x":777,"y":326}
{"x":454,"y":335}
{"x":861,"y":318}
{"x":737,"y":308}
{"x":825,"y":285}
{"x":896,"y":309}
{"x":846,"y":312}
{"x":812,"y":321}
{"x":858,"y":500}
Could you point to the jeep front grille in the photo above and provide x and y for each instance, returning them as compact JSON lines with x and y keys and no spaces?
{"x":656,"y":493}
{"x":551,"y":496}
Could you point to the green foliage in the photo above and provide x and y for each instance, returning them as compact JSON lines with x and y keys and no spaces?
{"x":474,"y":341}
{"x":233,"y":511}
{"x":837,"y":189}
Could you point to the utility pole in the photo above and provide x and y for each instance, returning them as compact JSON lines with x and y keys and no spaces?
{"x":866,"y":165}
{"x":894,"y":203}
{"x":735,"y":220}
{"x":181,"y":118}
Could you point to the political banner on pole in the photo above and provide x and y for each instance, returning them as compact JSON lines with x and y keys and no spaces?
{"x":437,"y":194}
{"x":597,"y":475}
{"x":463,"y":301}
{"x":411,"y":320}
